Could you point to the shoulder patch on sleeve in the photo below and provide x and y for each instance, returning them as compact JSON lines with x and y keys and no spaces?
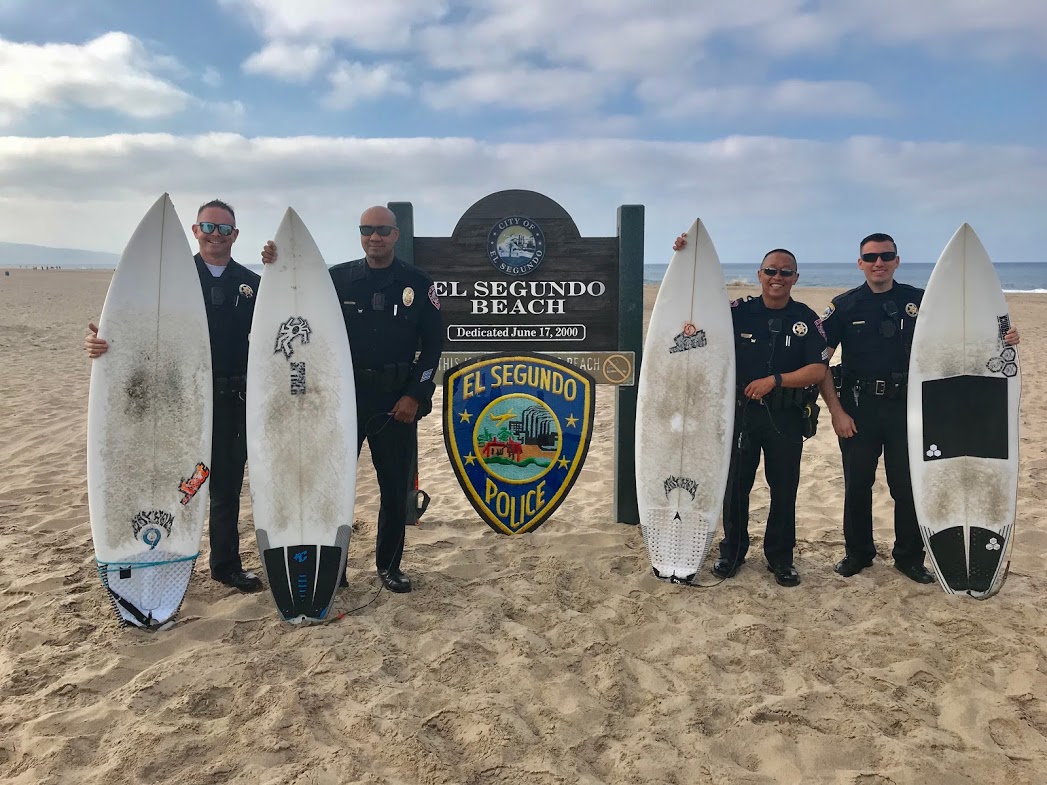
{"x":819,"y":328}
{"x":433,"y":298}
{"x":735,"y":303}
{"x":828,"y":311}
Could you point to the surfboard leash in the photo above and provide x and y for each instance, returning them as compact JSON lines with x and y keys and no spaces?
{"x":343,"y":614}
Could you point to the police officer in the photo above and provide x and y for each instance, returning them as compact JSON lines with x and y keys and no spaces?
{"x":780,"y":353}
{"x":866,"y":397}
{"x":229,"y":290}
{"x":391,"y":312}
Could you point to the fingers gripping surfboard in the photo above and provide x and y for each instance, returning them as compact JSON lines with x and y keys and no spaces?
{"x":685,"y":411}
{"x":963,"y":399}
{"x":149,"y":424}
{"x":301,"y":427}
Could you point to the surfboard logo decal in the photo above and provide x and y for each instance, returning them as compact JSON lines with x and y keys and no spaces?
{"x":690,"y":338}
{"x":297,"y":378}
{"x":516,"y":245}
{"x":295,"y":327}
{"x":151,"y":524}
{"x":191,"y":484}
{"x":689,"y":485}
{"x":517,"y":429}
{"x":1004,"y":323}
{"x":1006,"y":363}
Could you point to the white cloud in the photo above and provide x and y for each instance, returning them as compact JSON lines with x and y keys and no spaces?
{"x":110,"y":72}
{"x":288,"y":61}
{"x":525,"y":90}
{"x":794,"y":97}
{"x":355,"y":82}
{"x":211,"y":77}
{"x":371,"y":25}
{"x":754,"y":192}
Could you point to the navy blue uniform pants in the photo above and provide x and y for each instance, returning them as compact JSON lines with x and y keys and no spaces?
{"x":393,"y":448}
{"x":882,"y":428}
{"x":779,"y":436}
{"x":228,"y":458}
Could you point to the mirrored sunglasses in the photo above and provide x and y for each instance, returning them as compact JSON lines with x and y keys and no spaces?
{"x":770,"y":272}
{"x":366,"y":230}
{"x":208,"y":227}
{"x":887,"y":256}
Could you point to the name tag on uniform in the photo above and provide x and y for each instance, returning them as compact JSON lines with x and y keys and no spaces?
{"x":861,"y":322}
{"x":746,"y":335}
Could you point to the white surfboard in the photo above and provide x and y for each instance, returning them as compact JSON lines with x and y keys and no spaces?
{"x":685,"y":411}
{"x":149,"y":423}
{"x":301,"y":427}
{"x":963,"y":395}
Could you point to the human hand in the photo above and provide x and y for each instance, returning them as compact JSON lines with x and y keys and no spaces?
{"x":843,"y":424}
{"x":1011,"y":337}
{"x":680,"y":242}
{"x":758,"y":388}
{"x":93,"y":345}
{"x":405,"y":409}
{"x":269,"y":252}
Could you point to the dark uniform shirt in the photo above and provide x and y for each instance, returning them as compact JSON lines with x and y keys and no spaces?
{"x":229,"y":300}
{"x":769,"y":341}
{"x":390,"y":314}
{"x":874,"y":329}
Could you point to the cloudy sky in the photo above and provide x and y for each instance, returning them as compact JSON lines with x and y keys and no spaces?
{"x":797,"y":123}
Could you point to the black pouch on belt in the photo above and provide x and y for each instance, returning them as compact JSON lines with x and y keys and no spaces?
{"x":810,"y":419}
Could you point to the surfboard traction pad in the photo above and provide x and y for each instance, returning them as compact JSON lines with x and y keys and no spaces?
{"x":677,"y":549}
{"x":966,"y":416}
{"x":303,"y":579}
{"x":980,"y":576}
{"x":148,"y":592}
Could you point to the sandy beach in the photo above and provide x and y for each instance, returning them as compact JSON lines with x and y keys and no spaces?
{"x":552,"y":658}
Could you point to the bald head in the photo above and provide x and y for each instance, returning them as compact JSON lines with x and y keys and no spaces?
{"x":378,"y":216}
{"x":378,"y":235}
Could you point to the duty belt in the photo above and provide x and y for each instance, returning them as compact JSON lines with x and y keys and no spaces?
{"x":881,"y":388}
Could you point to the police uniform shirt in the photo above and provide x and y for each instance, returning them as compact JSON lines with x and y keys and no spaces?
{"x":775,"y":340}
{"x":391,"y":313}
{"x":874,"y":328}
{"x":229,"y":300}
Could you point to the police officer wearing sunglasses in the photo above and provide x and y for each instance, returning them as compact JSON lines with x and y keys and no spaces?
{"x":391,"y":312}
{"x":229,"y":295}
{"x":866,"y":397}
{"x":780,"y":355}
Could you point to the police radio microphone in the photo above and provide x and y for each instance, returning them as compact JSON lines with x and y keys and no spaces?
{"x":890,"y":309}
{"x":775,"y":325}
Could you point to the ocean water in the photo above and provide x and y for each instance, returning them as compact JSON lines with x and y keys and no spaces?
{"x":1014,"y":276}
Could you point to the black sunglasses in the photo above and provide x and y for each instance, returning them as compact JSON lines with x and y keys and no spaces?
{"x":208,"y":227}
{"x":887,"y":256}
{"x":366,"y":230}
{"x":770,"y":272}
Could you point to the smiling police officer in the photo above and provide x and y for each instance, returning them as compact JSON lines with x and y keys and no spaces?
{"x":391,"y":313}
{"x":866,"y":397}
{"x":780,"y":354}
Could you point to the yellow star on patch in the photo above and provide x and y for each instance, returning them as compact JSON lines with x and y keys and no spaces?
{"x":466,"y":417}
{"x":572,"y":421}
{"x":562,"y":463}
{"x":469,"y":459}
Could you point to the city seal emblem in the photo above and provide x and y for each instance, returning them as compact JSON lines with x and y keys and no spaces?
{"x":517,"y":428}
{"x":516,"y":245}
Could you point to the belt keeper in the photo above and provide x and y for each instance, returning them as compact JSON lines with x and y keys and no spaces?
{"x":881,"y":387}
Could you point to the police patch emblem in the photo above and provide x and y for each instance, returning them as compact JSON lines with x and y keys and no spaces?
{"x":408,"y":296}
{"x":433,"y":297}
{"x":516,"y":245}
{"x":800,"y":329}
{"x":912,"y":309}
{"x":828,"y":311}
{"x":517,"y":429}
{"x":246,"y":291}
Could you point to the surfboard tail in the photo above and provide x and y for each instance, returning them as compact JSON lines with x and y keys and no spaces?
{"x":303,"y":579}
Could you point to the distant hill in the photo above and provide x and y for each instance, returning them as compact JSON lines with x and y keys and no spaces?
{"x":25,"y":255}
